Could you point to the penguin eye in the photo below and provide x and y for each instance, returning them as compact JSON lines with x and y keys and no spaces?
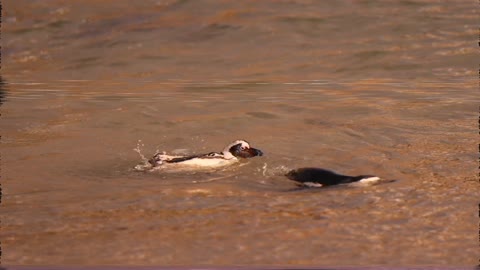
{"x":235,"y":148}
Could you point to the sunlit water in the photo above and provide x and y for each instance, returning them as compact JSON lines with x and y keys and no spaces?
{"x":359,"y":87}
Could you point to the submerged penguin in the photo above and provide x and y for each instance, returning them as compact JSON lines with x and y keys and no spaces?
{"x":316,"y":177}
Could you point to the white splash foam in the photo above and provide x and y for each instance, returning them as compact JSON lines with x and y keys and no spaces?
{"x":145,"y":165}
{"x":139,"y":150}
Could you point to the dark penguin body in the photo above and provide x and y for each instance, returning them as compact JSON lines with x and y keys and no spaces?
{"x":316,"y":177}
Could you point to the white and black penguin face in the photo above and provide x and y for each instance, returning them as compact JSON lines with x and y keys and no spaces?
{"x":242,"y":149}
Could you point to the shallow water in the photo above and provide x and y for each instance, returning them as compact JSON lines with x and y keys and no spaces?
{"x":358,"y":87}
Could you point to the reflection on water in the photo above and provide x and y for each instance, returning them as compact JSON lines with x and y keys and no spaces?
{"x":349,"y":86}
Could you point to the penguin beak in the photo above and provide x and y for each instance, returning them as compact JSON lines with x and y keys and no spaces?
{"x":249,"y":152}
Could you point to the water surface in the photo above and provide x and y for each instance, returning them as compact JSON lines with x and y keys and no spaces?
{"x":359,"y":87}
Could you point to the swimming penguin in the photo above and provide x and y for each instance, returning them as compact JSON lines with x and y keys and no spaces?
{"x":231,"y":153}
{"x":317,"y":177}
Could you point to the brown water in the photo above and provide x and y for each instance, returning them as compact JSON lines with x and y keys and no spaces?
{"x":360,"y":87}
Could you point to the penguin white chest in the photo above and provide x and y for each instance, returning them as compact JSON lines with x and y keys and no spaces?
{"x":207,"y":162}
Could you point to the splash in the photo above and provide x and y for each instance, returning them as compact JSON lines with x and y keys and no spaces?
{"x":139,"y":150}
{"x":145,"y":165}
{"x":275,"y":171}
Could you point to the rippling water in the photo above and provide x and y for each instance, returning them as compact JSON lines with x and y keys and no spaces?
{"x":359,"y":87}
